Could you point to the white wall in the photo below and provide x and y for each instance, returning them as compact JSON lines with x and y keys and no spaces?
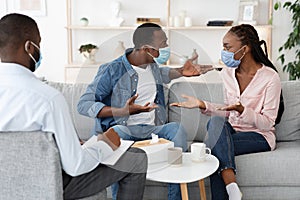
{"x":54,"y":38}
{"x":54,"y":35}
{"x":282,"y":26}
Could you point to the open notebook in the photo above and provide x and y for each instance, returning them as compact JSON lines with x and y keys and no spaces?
{"x":115,"y":156}
{"x":111,"y":160}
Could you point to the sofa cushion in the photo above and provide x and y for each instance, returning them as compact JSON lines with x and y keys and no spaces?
{"x":274,"y":168}
{"x":72,"y":93}
{"x":289,"y":127}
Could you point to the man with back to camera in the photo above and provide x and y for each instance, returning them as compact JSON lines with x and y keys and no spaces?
{"x":30,"y":105}
{"x":127,"y":93}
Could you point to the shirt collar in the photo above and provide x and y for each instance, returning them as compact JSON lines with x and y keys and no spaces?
{"x":14,"y":68}
{"x":128,"y":66}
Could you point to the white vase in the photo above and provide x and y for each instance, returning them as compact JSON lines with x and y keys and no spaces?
{"x":89,"y":57}
{"x":120,"y":49}
{"x":84,"y":21}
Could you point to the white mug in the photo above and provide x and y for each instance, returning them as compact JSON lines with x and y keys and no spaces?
{"x":199,"y":152}
{"x":175,"y":156}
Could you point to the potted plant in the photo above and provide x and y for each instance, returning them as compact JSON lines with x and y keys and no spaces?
{"x":293,"y":41}
{"x":88,"y":51}
{"x":84,"y":21}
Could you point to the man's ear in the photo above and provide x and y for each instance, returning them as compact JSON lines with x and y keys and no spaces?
{"x":28,"y":47}
{"x":145,"y":48}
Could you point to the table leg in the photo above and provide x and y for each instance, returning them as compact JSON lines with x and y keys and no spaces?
{"x":184,"y":191}
{"x":202,"y":189}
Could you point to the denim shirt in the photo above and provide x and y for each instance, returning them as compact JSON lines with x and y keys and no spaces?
{"x":113,"y":85}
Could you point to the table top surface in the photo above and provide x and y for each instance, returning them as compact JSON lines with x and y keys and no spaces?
{"x":189,"y":171}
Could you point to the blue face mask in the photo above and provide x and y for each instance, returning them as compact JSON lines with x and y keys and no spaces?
{"x":37,"y":63}
{"x":228,"y":58}
{"x":164,"y":55}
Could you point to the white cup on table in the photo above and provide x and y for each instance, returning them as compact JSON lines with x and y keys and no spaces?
{"x":199,"y":152}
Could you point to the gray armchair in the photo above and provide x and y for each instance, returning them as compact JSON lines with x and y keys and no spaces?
{"x":30,"y":167}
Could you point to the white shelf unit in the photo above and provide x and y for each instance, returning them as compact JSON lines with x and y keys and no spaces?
{"x":182,"y":40}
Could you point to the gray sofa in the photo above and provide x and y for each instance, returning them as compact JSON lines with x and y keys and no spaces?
{"x":269,"y":175}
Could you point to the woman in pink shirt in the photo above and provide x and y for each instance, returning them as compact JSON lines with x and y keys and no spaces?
{"x":253,"y":105}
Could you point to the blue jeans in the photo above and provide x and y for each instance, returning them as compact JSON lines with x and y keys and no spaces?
{"x":171,"y":131}
{"x":225,"y":144}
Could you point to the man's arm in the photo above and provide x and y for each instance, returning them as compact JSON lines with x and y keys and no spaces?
{"x":189,"y":69}
{"x":89,"y":106}
{"x":130,"y":108}
{"x":76,"y":159}
{"x":90,"y":103}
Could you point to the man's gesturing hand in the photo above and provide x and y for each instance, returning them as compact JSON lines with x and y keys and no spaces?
{"x":133,"y":108}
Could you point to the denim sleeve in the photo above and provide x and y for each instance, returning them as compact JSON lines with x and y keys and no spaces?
{"x":90,"y":103}
{"x":165,"y":74}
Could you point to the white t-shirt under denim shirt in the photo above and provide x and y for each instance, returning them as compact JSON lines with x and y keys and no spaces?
{"x":146,"y":90}
{"x":27,"y":104}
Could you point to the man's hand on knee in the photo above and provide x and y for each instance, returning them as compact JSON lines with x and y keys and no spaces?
{"x":111,"y":137}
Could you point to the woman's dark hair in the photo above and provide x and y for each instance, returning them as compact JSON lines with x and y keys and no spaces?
{"x":249,"y":36}
{"x":144,"y":34}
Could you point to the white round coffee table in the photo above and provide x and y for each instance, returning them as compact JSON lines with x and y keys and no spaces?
{"x":187,"y":172}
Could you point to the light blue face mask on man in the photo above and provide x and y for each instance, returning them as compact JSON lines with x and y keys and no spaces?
{"x":37,"y":63}
{"x":164,"y":55}
{"x":228,"y":58}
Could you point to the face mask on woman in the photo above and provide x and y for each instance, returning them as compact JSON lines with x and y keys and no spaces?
{"x":228,"y":58}
{"x":164,"y":55}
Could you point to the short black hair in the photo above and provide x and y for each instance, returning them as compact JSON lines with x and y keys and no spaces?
{"x":144,"y":34}
{"x":15,"y":29}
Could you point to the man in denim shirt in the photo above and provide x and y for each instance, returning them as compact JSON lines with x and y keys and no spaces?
{"x":127,"y":93}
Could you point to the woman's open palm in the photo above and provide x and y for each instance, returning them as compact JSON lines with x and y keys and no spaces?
{"x":191,"y":102}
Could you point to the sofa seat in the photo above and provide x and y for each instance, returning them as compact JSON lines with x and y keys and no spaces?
{"x":270,"y":170}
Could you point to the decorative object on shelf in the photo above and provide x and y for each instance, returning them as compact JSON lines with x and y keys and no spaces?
{"x":182,"y":15}
{"x":177,"y":21}
{"x":120,"y":49}
{"x":188,"y":22}
{"x":88,"y":51}
{"x":116,"y":20}
{"x":84,"y":21}
{"x":171,"y":21}
{"x":220,"y":23}
{"x":293,"y":41}
{"x":180,"y":20}
{"x":141,"y":20}
{"x":248,"y":12}
{"x":193,"y":55}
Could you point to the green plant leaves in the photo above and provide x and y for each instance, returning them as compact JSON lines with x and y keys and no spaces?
{"x":87,"y":47}
{"x":277,"y":5}
{"x":293,"y":41}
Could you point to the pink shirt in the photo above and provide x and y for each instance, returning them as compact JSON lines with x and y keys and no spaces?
{"x":260,"y":100}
